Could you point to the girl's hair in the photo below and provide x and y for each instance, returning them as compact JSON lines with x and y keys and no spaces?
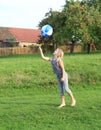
{"x":60,"y":53}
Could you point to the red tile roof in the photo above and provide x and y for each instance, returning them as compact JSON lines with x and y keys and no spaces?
{"x":25,"y":35}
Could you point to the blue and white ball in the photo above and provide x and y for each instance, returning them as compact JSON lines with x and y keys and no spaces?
{"x":46,"y":30}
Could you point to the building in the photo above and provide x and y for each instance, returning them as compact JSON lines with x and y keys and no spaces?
{"x":22,"y":37}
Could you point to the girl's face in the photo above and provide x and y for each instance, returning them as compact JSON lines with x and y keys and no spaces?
{"x":55,"y":52}
{"x":58,"y":53}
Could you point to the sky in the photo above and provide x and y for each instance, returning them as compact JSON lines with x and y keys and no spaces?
{"x":26,"y":13}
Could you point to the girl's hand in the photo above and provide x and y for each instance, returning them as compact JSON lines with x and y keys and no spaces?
{"x":62,"y":79}
{"x":41,"y":44}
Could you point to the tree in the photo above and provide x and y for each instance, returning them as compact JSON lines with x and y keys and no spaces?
{"x":83,"y":20}
{"x":79,"y":18}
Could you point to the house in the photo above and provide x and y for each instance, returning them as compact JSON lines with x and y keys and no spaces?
{"x":10,"y":36}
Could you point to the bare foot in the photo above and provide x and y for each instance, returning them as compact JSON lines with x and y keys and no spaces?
{"x":73,"y":103}
{"x":62,"y":105}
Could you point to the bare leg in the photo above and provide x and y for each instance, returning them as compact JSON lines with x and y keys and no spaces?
{"x":62,"y":102}
{"x":73,"y":100}
{"x":66,"y":86}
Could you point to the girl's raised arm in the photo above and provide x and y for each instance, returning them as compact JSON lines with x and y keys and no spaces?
{"x":42,"y":55}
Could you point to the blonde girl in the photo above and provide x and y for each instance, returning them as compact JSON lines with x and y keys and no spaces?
{"x":62,"y":76}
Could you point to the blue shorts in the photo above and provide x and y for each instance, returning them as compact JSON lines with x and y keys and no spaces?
{"x":63,"y":86}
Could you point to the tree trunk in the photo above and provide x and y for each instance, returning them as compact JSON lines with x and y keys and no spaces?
{"x":72,"y":47}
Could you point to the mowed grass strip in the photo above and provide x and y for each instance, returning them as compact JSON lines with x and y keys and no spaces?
{"x":29,"y":109}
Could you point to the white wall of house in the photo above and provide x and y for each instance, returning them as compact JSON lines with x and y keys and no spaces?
{"x":25,"y":44}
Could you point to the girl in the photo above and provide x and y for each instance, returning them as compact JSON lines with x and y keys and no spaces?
{"x":62,"y":77}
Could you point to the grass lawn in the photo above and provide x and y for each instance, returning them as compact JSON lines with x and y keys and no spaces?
{"x":29,"y":109}
{"x":29,"y":94}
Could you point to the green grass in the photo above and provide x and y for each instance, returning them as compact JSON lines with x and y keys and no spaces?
{"x":29,"y":94}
